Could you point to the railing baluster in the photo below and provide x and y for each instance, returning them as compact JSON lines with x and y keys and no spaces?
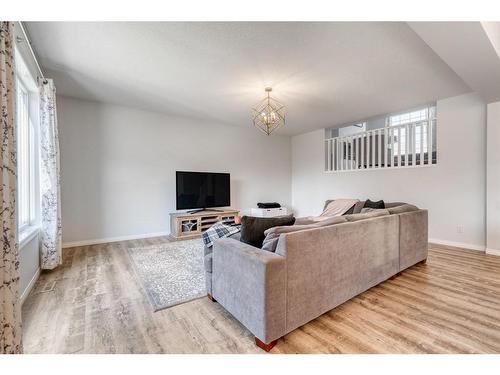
{"x":373,"y":149}
{"x":422,"y":155}
{"x":399,"y":147}
{"x":350,"y":152}
{"x":407,"y":143}
{"x":353,"y":154}
{"x":368,"y":146}
{"x":339,"y":155}
{"x":341,"y":151}
{"x":379,"y":149}
{"x":386,"y":142}
{"x":339,"y":161}
{"x":362,"y":160}
{"x":414,"y":145}
{"x":429,"y":142}
{"x":327,"y":142}
{"x":334,"y":155}
{"x":346,"y":154}
{"x":330,"y":155}
{"x":358,"y":152}
{"x":393,"y":147}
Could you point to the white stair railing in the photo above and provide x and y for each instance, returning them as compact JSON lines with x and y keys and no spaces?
{"x":407,"y":145}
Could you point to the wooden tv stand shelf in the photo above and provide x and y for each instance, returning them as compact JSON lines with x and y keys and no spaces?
{"x":184,"y":225}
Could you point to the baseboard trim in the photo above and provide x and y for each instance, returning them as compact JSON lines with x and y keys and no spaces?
{"x":30,"y":286}
{"x":493,"y":252}
{"x":112,"y":239}
{"x":458,"y":244}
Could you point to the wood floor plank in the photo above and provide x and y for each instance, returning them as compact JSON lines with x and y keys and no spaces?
{"x":94,"y":303}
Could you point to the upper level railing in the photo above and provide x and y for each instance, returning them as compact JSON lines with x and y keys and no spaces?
{"x":407,"y":145}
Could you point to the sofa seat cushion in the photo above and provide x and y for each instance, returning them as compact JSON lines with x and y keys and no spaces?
{"x":207,"y":262}
{"x":367,"y":215}
{"x":402,"y":209}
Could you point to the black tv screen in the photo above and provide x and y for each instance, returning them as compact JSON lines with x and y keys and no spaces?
{"x":202,"y":190}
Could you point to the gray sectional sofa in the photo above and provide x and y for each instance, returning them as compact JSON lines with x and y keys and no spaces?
{"x":314,"y":269}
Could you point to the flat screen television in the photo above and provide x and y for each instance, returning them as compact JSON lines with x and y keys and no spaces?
{"x":199,"y":190}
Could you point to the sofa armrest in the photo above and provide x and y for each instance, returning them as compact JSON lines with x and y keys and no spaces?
{"x":413,"y":238}
{"x":250,"y":284}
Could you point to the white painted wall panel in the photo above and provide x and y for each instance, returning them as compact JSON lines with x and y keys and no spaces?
{"x":118,"y":167}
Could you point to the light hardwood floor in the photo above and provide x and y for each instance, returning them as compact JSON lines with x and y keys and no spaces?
{"x":94,"y":304}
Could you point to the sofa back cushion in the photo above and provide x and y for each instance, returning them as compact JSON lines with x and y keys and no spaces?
{"x":273,"y":234}
{"x":356,"y":209}
{"x":393,"y":204}
{"x":367,"y":215}
{"x":402,"y":209}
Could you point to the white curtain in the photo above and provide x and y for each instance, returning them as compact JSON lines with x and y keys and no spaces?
{"x":10,"y":306}
{"x":51,"y":244}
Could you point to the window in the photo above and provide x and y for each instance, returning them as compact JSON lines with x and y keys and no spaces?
{"x":420,"y":129}
{"x":27,"y":150}
{"x":409,"y":117}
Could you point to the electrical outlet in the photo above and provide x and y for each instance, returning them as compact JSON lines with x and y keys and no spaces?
{"x":460,"y":228}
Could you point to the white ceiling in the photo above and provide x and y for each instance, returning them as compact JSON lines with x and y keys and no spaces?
{"x":470,"y":49}
{"x":326,"y":74}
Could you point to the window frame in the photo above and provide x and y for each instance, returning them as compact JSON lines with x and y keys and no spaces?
{"x":429,"y":115}
{"x":28,"y":216}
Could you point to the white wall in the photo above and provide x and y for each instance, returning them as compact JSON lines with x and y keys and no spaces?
{"x":453,"y":191}
{"x":118,"y":167}
{"x":118,"y":170}
{"x":29,"y":265}
{"x":493,"y":179}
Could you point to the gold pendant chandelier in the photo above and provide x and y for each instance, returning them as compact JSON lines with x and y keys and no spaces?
{"x":268,"y":114}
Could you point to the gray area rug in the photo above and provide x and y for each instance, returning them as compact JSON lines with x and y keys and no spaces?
{"x":171,"y":273}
